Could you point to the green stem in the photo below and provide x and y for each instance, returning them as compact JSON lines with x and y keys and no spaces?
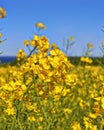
{"x":13,"y":124}
{"x":20,"y":124}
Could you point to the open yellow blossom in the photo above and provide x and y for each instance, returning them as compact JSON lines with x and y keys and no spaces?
{"x":94,"y":116}
{"x":56,"y":52}
{"x":31,"y":118}
{"x":103,"y":122}
{"x":23,"y":87}
{"x":0,"y":35}
{"x":54,"y":46}
{"x":41,"y":92}
{"x":40,"y":25}
{"x":26,"y":42}
{"x":40,"y":119}
{"x":36,"y":37}
{"x":76,"y":126}
{"x":40,"y":128}
{"x":67,"y":110}
{"x":2,"y":12}
{"x":21,"y":54}
{"x":90,"y":45}
{"x":102,"y":102}
{"x":10,"y":111}
{"x":71,"y":38}
{"x":86,"y":60}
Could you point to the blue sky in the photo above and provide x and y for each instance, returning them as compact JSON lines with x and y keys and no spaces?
{"x":82,"y":19}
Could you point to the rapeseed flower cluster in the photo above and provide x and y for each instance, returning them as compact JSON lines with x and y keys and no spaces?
{"x":2,"y":12}
{"x":86,"y":60}
{"x":45,"y":91}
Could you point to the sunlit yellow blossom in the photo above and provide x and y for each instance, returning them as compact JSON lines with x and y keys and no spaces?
{"x":2,"y":12}
{"x":8,"y":87}
{"x":33,"y":43}
{"x":54,"y":46}
{"x":41,"y":92}
{"x":71,"y":38}
{"x":40,"y":25}
{"x":40,"y":119}
{"x":53,"y":110}
{"x":26,"y":42}
{"x":56,"y":98}
{"x":40,"y":128}
{"x":44,"y":39}
{"x":23,"y":87}
{"x":31,"y":118}
{"x":0,"y":35}
{"x":90,"y":45}
{"x":67,"y":110}
{"x":94,"y":116}
{"x":76,"y":126}
{"x":65,"y":92}
{"x":56,"y":52}
{"x":21,"y":54}
{"x":102,"y":102}
{"x":89,"y":124}
{"x":36,"y":37}
{"x":10,"y":110}
{"x":86,"y":60}
{"x":103,"y":122}
{"x":98,"y":98}
{"x":43,"y":44}
{"x":57,"y":89}
{"x":70,"y":78}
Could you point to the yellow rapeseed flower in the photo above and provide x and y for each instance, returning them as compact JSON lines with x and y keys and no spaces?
{"x":41,"y":92}
{"x":67,"y":110}
{"x":21,"y":54}
{"x":10,"y":111}
{"x":36,"y":37}
{"x":40,"y":119}
{"x":102,"y":102}
{"x":40,"y":127}
{"x":0,"y":35}
{"x":56,"y":52}
{"x":103,"y":122}
{"x":90,"y":45}
{"x":86,"y":60}
{"x":2,"y":12}
{"x":26,"y":42}
{"x":71,"y":38}
{"x":76,"y":126}
{"x":23,"y":87}
{"x":40,"y":25}
{"x":94,"y":116}
{"x":31,"y":118}
{"x":54,"y":46}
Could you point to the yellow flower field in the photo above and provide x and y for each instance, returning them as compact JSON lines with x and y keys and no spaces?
{"x":46,"y":92}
